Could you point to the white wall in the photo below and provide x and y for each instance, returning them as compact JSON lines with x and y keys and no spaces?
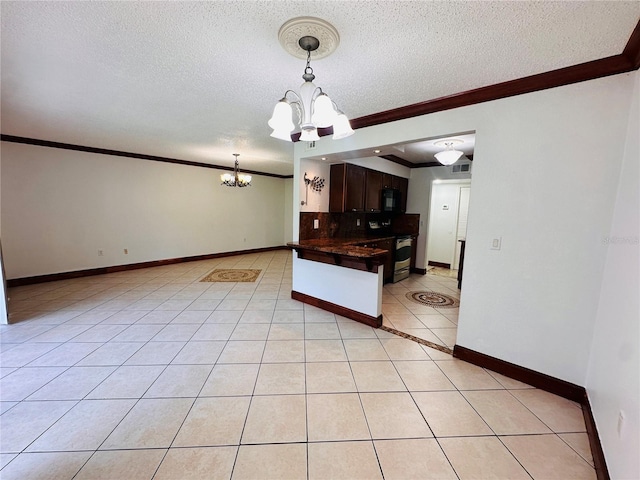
{"x":347,"y":287}
{"x":544,"y":178}
{"x":59,"y":207}
{"x":317,"y":201}
{"x":613,"y":381}
{"x":288,"y":210}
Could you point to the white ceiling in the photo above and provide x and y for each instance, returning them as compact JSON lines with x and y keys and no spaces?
{"x":198,"y":80}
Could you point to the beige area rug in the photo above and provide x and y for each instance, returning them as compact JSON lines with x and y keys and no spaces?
{"x":232,"y":275}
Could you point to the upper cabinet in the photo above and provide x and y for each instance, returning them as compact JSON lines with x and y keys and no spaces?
{"x":373,"y":186}
{"x":358,"y":189}
{"x":402,"y":184}
{"x":347,"y":188}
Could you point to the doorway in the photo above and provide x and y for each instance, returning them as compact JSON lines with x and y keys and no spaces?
{"x":448,"y":215}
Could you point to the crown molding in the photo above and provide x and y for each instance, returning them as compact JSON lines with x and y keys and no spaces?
{"x":627,"y":61}
{"x":118,"y":153}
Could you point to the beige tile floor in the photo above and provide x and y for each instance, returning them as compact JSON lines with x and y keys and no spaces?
{"x":153,"y":374}
{"x":436,"y":325}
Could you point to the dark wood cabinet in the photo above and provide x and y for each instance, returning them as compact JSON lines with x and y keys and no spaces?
{"x":402,"y":184}
{"x":387,"y":180}
{"x":358,"y":189}
{"x":414,"y":253}
{"x":373,"y":187}
{"x":347,"y":189}
{"x":355,"y":187}
{"x":388,"y":245}
{"x":336,"y":187}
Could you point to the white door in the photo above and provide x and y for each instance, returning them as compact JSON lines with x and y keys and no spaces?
{"x":444,"y":229}
{"x":463,"y":215}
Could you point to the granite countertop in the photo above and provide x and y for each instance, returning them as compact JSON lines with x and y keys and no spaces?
{"x":348,"y":247}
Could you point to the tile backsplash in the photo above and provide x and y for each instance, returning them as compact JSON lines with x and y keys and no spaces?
{"x":352,"y":225}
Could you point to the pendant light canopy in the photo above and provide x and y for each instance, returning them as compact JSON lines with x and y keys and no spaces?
{"x":314,"y":107}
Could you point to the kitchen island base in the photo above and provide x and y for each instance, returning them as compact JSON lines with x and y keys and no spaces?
{"x":352,"y":293}
{"x":375,"y":322}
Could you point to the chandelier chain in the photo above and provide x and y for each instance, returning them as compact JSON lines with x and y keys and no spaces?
{"x":308,"y":70}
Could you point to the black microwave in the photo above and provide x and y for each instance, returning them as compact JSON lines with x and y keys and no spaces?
{"x":390,"y":200}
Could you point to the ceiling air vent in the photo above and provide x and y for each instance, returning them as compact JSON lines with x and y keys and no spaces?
{"x":462,"y":168}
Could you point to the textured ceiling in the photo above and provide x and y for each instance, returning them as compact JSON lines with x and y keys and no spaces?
{"x":198,"y":80}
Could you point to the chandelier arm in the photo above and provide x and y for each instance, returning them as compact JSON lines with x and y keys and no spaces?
{"x":297,"y":102}
{"x":295,"y":95}
{"x":317,"y":92}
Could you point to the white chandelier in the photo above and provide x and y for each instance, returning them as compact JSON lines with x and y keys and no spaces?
{"x":449,"y":156}
{"x":237,"y":179}
{"x":314,"y":107}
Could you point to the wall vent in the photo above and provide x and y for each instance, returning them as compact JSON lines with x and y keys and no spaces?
{"x":462,"y":168}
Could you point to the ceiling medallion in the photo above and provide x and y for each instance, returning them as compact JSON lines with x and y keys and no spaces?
{"x":313,"y":106}
{"x":296,"y":28}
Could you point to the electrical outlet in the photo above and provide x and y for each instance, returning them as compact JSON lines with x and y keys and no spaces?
{"x":357,"y":222}
{"x":126,"y":251}
{"x":100,"y":253}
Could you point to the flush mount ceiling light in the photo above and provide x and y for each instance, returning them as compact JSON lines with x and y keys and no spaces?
{"x":449,"y":156}
{"x":301,"y":36}
{"x":237,"y":179}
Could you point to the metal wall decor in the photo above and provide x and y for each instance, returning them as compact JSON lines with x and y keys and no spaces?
{"x":316,"y":183}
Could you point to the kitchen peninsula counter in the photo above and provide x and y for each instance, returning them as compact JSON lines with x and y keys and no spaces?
{"x":347,"y":247}
{"x":346,"y":252}
{"x":341,"y":275}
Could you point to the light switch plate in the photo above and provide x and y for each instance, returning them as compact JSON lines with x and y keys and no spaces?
{"x":496,"y":243}
{"x":316,"y":224}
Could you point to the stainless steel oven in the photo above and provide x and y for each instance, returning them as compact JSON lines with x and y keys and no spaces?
{"x":402,"y":258}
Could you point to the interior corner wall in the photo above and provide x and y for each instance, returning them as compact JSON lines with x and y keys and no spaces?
{"x":545,"y":174}
{"x":288,"y":210}
{"x":4,"y":318}
{"x":60,"y":207}
{"x":613,"y":381}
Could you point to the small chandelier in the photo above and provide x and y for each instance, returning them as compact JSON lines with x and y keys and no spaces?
{"x":237,"y":179}
{"x":314,"y":107}
{"x":449,"y":156}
